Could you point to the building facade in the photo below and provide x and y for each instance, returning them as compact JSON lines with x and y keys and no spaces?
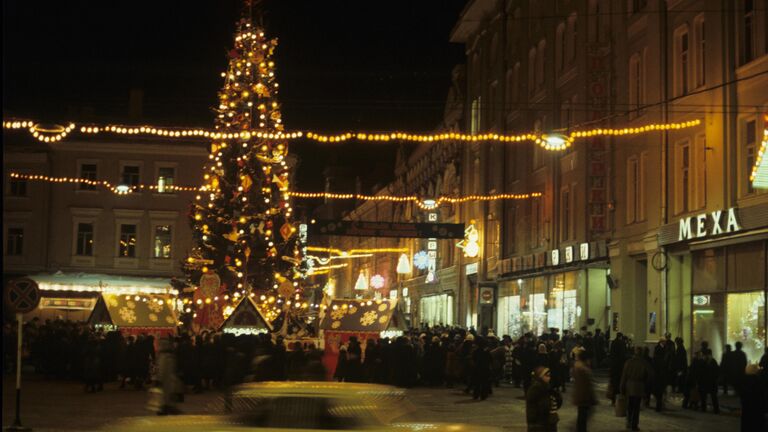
{"x":75,"y":238}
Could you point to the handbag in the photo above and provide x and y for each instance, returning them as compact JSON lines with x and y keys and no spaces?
{"x":610,"y":393}
{"x":620,"y":409}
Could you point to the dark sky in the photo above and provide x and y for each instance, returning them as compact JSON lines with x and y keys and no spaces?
{"x":342,"y":65}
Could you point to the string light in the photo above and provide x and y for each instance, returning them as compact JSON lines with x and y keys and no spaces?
{"x":355,"y":251}
{"x":759,"y":175}
{"x":544,"y":140}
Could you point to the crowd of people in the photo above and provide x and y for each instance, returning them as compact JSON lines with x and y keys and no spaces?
{"x":543,"y":366}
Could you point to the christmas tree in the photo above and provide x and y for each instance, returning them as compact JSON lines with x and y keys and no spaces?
{"x":241,"y":219}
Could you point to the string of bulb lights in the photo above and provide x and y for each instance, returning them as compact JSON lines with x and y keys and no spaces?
{"x":553,"y":141}
{"x":424,"y":204}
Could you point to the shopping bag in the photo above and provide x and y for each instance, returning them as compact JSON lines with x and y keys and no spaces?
{"x":620,"y":409}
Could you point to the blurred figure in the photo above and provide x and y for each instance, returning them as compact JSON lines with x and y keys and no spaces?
{"x":166,"y":375}
{"x":618,"y":356}
{"x":679,"y":366}
{"x":341,"y":364}
{"x":481,"y":370}
{"x":583,"y":390}
{"x":542,"y":403}
{"x":634,"y":383}
{"x":726,"y":363}
{"x":708,"y":381}
{"x":754,"y":397}
{"x":739,"y":366}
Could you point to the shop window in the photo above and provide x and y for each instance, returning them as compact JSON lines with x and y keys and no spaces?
{"x":746,"y":322}
{"x":15,"y":242}
{"x":84,"y":245}
{"x":127,"y":241}
{"x":534,"y":305}
{"x":163,"y":241}
{"x":709,"y":322}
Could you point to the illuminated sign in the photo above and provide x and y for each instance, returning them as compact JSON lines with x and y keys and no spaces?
{"x":708,"y":224}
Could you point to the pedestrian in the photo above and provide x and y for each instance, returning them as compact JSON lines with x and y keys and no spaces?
{"x":662,"y":363}
{"x":708,"y":381}
{"x":583,"y":390}
{"x":341,"y":364}
{"x":726,"y":364}
{"x":166,"y":375}
{"x":679,"y":365}
{"x":740,"y":362}
{"x":481,"y":370}
{"x":542,"y":403}
{"x":618,"y":356}
{"x":634,"y":383}
{"x":754,"y":396}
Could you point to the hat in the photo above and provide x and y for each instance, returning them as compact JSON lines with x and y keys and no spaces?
{"x":470,"y":337}
{"x":540,"y":371}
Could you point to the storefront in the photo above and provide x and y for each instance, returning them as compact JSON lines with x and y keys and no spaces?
{"x":563,"y":295}
{"x":434,"y":302}
{"x":436,"y":309}
{"x":725,"y":300}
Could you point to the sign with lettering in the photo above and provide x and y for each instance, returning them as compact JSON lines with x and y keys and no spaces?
{"x":584,"y":251}
{"x":708,"y":224}
{"x":569,"y":254}
{"x":387,"y":229}
{"x":555,"y":257}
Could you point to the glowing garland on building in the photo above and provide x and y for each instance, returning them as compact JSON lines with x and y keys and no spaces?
{"x":759,"y":175}
{"x":548,"y":141}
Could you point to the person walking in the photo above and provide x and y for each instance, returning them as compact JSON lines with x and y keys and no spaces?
{"x":542,"y":403}
{"x":679,"y":366}
{"x":738,"y":367}
{"x":166,"y":375}
{"x":618,"y":357}
{"x":708,"y":381}
{"x":583,"y":390}
{"x":634,"y":381}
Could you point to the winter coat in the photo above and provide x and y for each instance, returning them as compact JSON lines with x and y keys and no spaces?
{"x":541,"y":406}
{"x":635,"y":377}
{"x":583,"y":389}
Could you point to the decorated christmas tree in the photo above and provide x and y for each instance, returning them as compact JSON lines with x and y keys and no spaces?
{"x":245,"y":242}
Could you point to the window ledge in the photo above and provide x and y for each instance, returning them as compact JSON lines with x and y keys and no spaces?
{"x":82,"y":261}
{"x":122,"y":262}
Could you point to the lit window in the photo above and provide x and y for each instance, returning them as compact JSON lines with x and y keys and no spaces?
{"x":165,"y":177}
{"x":127,"y":245}
{"x":162,"y":241}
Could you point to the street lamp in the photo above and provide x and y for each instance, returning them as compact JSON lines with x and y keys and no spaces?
{"x":555,"y":141}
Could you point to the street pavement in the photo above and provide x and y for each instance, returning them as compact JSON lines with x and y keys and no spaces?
{"x":64,"y":406}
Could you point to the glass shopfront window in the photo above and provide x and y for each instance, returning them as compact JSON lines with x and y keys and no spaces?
{"x":436,"y":310}
{"x":562,"y":303}
{"x":509,"y":320}
{"x":534,"y":305}
{"x":746,"y":322}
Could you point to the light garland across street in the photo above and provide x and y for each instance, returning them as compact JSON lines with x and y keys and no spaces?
{"x":552,"y":142}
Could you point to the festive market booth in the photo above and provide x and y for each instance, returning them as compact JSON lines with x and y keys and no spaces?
{"x":246,"y":319}
{"x":73,"y":296}
{"x":365,"y":319}
{"x":134,"y":315}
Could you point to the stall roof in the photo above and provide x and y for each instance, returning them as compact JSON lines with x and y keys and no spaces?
{"x":355,"y":315}
{"x":246,"y":315}
{"x":127,"y":311}
{"x":102,"y":283}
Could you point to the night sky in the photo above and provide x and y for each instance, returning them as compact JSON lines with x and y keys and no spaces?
{"x":342,"y":65}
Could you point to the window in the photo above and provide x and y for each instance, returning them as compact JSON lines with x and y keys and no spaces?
{"x":572,"y":39}
{"x":750,"y":151}
{"x":536,"y":225}
{"x":84,"y":246}
{"x":682,"y":58}
{"x":510,"y":230}
{"x":636,"y":85}
{"x":513,"y":83}
{"x":88,"y":171}
{"x":161,"y":246}
{"x":565,"y":208}
{"x":700,"y":165}
{"x":684,"y":178}
{"x":540,"y":59}
{"x":701,"y":52}
{"x":165,"y":178}
{"x":15,"y":241}
{"x":748,"y":32}
{"x":17,"y":187}
{"x":130,"y":175}
{"x":560,"y":47}
{"x":532,"y":71}
{"x":636,"y":188}
{"x":474,"y":126}
{"x":127,"y":245}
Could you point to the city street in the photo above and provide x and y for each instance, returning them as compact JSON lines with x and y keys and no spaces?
{"x":63,"y":406}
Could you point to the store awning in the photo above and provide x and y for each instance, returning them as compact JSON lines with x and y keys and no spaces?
{"x":373,"y":316}
{"x":103,"y":283}
{"x":133,"y":311}
{"x":759,"y":177}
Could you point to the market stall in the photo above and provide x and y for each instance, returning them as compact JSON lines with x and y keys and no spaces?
{"x":365,"y":319}
{"x":246,"y":319}
{"x":133,"y":315}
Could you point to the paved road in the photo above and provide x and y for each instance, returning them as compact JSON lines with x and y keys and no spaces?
{"x":63,"y":406}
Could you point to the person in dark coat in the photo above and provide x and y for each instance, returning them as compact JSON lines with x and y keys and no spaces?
{"x":754,"y":397}
{"x":481,"y":370}
{"x":542,"y":403}
{"x":634,"y":383}
{"x":679,"y":365}
{"x":370,"y":360}
{"x":726,"y":362}
{"x":341,"y":364}
{"x":739,"y":366}
{"x":708,"y":381}
{"x":618,"y":357}
{"x":354,"y":358}
{"x":662,"y":363}
{"x":583,"y":390}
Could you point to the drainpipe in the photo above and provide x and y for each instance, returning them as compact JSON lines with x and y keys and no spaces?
{"x":663,"y":46}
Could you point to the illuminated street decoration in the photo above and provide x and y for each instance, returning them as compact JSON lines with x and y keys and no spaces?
{"x":403,"y":265}
{"x":759,"y":176}
{"x":470,"y":244}
{"x":362,"y":282}
{"x":377,"y":281}
{"x":421,"y":260}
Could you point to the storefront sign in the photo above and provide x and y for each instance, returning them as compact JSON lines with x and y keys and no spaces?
{"x":569,"y":254}
{"x":486,"y":295}
{"x":697,"y":227}
{"x":584,"y":251}
{"x":700,"y":300}
{"x":555,"y":257}
{"x":471,"y":269}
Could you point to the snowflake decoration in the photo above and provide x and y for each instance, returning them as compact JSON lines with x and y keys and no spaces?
{"x":368,"y":318}
{"x":421,"y":260}
{"x":152,"y":317}
{"x":169,"y":319}
{"x":127,"y":314}
{"x":112,"y":301}
{"x":338,"y":314}
{"x":155,"y":307}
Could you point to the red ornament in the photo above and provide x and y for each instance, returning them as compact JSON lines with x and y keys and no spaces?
{"x":234,"y":53}
{"x":227,"y":259}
